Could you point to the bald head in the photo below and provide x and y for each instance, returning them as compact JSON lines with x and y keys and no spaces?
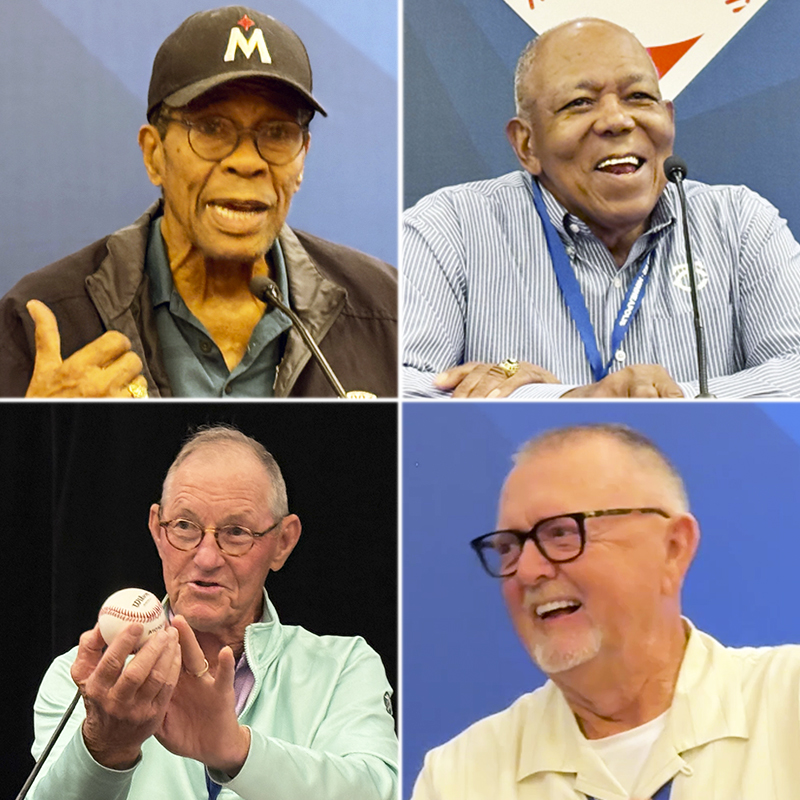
{"x":562,"y":41}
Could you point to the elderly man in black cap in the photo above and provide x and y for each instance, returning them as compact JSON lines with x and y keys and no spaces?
{"x":164,"y":306}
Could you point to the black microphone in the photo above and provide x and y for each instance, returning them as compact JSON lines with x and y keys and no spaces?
{"x":676,"y":170}
{"x":266,"y":290}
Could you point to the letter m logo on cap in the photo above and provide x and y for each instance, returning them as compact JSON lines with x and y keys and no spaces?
{"x":247,"y":46}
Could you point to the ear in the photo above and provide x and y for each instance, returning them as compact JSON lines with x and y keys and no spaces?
{"x":682,"y":539}
{"x":156,"y":530}
{"x":287,"y":539}
{"x":152,"y":153}
{"x":299,"y":179}
{"x":520,"y":135}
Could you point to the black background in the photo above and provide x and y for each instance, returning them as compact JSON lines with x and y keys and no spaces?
{"x":78,"y":480}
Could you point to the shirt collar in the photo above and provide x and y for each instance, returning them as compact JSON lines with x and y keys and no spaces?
{"x":707,"y":705}
{"x":570,"y":226}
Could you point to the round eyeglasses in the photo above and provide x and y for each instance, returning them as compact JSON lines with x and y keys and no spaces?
{"x":213,"y":138}
{"x":233,"y":540}
{"x":559,"y":539}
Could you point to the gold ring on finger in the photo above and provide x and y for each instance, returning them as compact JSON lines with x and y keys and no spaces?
{"x":202,"y":671}
{"x":510,"y":367}
{"x":137,"y":390}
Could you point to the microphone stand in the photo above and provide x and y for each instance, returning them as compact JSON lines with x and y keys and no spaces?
{"x":49,"y":746}
{"x":676,"y":170}
{"x":267,"y":291}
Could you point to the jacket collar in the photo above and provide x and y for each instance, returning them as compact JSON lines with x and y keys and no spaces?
{"x":315,"y":299}
{"x":263,"y":640}
{"x":120,"y":291}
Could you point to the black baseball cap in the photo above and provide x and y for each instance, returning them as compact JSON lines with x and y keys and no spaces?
{"x":213,"y":47}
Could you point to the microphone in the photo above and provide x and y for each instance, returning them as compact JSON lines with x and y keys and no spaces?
{"x":266,"y":290}
{"x":676,"y":170}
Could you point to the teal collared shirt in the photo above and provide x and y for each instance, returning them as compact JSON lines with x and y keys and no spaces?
{"x":194,"y":363}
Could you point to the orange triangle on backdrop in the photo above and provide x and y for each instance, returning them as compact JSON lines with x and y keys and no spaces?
{"x":665,"y":56}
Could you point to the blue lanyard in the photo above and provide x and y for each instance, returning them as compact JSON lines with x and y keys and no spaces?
{"x":571,"y":291}
{"x":213,"y":788}
{"x":661,"y":794}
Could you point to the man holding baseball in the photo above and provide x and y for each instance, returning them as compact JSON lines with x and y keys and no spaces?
{"x":226,"y":698}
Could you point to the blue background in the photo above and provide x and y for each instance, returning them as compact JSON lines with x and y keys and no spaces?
{"x":461,"y":657}
{"x":73,"y":88}
{"x":737,"y":122}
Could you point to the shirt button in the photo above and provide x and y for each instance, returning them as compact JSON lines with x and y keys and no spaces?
{"x":228,"y":388}
{"x":570,"y":250}
{"x":620,"y":355}
{"x":574,"y":227}
{"x":205,"y":346}
{"x":617,"y":283}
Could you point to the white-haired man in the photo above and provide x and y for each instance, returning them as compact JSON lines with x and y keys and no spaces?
{"x":226,"y":698}
{"x":594,"y":540}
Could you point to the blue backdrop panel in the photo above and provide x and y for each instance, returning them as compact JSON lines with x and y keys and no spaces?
{"x":73,"y":88}
{"x":461,"y":657}
{"x":737,"y":121}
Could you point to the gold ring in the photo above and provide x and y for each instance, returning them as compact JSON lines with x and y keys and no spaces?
{"x":510,"y":366}
{"x":202,"y":671}
{"x":137,"y":390}
{"x":360,"y":394}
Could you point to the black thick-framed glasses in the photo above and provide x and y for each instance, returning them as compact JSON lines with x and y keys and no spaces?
{"x":214,"y":138}
{"x":233,"y":540}
{"x":559,"y":539}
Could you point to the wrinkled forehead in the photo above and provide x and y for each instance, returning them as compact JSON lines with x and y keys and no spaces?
{"x":589,"y":472}
{"x":217,"y":466}
{"x":572,"y":51}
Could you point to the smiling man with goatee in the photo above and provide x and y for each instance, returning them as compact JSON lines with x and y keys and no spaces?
{"x":593,"y":541}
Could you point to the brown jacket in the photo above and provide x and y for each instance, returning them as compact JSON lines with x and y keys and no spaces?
{"x":347,"y":299}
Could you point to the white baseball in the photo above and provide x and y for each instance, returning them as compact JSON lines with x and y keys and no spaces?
{"x":131,"y":605}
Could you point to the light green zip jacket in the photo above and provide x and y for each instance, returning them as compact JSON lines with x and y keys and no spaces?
{"x":320,"y":730}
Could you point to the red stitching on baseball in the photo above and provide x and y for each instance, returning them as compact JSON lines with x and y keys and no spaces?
{"x":129,"y":615}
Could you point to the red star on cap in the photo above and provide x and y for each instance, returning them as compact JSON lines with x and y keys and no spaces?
{"x":246,"y":22}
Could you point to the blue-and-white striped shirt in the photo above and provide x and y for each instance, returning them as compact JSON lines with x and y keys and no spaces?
{"x":479,"y":285}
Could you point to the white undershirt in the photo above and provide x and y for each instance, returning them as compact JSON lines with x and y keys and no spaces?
{"x":625,"y":753}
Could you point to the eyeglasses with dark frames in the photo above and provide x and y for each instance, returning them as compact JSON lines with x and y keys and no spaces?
{"x":559,"y":539}
{"x":214,"y":138}
{"x":233,"y":540}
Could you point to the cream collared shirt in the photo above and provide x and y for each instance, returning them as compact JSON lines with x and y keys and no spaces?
{"x":732,"y":733}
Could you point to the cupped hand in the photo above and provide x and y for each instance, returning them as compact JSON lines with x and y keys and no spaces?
{"x":125,"y":702}
{"x":201,"y":721}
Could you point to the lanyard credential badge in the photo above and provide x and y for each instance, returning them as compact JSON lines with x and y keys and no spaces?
{"x":573,"y":297}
